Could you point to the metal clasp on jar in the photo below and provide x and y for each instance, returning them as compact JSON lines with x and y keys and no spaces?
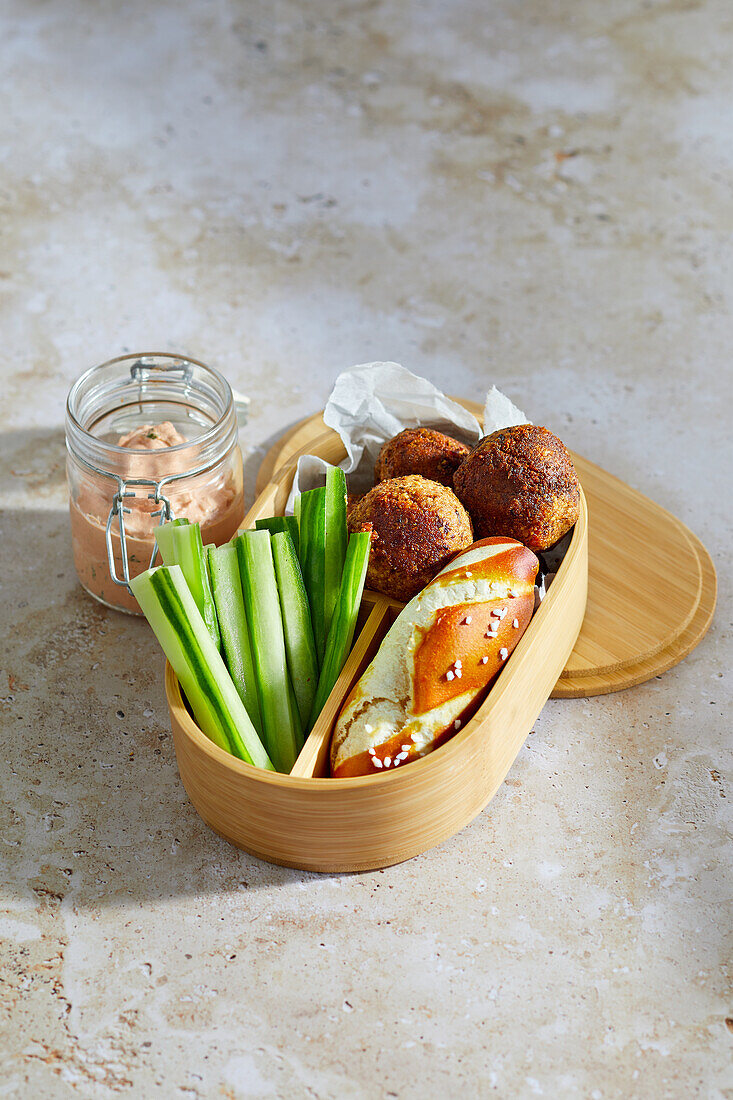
{"x":118,"y":509}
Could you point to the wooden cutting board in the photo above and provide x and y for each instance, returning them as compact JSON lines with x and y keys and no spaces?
{"x":641,"y":557}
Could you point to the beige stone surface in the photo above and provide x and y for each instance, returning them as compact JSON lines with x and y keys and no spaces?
{"x":537,"y":195}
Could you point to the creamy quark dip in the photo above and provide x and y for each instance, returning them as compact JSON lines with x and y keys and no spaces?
{"x":213,"y":499}
{"x":152,"y":437}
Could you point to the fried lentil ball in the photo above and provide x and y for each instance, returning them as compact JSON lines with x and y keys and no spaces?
{"x":352,"y":499}
{"x":520,"y":482}
{"x":416,"y":526}
{"x":420,"y":451}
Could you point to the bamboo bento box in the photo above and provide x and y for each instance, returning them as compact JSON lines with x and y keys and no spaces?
{"x":578,"y":643}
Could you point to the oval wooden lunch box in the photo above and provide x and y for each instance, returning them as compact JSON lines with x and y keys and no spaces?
{"x":581,"y":641}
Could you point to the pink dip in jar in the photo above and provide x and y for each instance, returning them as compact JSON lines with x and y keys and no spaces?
{"x":155,"y":435}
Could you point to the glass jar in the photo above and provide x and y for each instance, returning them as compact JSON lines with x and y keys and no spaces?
{"x":149,"y":437}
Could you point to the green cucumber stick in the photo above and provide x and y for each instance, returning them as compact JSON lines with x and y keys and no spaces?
{"x":171,"y":610}
{"x":275,"y":524}
{"x":291,"y":526}
{"x":164,"y":539}
{"x":182,"y":545}
{"x":312,"y":554}
{"x":336,"y":535}
{"x":295,"y":714}
{"x":343,"y":623}
{"x":297,"y":627}
{"x":226,"y":586}
{"x":262,"y":604}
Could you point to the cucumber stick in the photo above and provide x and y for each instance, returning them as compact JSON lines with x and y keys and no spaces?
{"x":280,"y":723}
{"x":171,"y":610}
{"x":180,"y":544}
{"x":274,"y":524}
{"x":226,"y":586}
{"x":343,"y":623}
{"x":300,"y":647}
{"x":335,"y":542}
{"x":312,"y":553}
{"x":164,"y":537}
{"x":294,"y":712}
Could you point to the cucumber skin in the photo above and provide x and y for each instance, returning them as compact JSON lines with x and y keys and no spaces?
{"x":226,"y":586}
{"x":210,"y":617}
{"x":262,"y":604}
{"x":182,"y":545}
{"x":312,"y":554}
{"x":335,"y":542}
{"x":297,"y":627}
{"x":276,"y":524}
{"x":343,"y":624}
{"x":171,"y":611}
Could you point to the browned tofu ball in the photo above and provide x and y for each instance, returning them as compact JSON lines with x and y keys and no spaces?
{"x":420,"y":451}
{"x":520,"y":482}
{"x":416,"y":526}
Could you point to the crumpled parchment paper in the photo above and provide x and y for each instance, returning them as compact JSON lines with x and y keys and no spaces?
{"x":373,"y":402}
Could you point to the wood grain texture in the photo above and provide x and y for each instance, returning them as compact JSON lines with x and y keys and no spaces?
{"x":645,"y":578}
{"x":640,"y":556}
{"x":682,"y":644}
{"x":582,"y":641}
{"x":321,"y":824}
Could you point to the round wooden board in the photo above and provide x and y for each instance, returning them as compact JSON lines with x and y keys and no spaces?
{"x":651,"y":582}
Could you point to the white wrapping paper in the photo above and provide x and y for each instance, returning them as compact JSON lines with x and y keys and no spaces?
{"x":371,"y":403}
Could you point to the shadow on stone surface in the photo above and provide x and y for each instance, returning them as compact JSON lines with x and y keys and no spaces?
{"x":92,"y":808}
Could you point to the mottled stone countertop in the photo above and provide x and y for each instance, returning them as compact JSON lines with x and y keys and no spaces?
{"x":537,"y":195}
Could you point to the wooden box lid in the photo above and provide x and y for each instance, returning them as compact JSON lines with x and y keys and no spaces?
{"x":651,"y":582}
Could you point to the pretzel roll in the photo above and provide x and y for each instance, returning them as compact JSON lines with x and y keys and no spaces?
{"x":442,"y":652}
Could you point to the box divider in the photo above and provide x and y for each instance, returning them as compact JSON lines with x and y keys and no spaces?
{"x":313,"y":757}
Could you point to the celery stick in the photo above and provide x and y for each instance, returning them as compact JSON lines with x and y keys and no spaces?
{"x":180,"y":544}
{"x":226,"y":586}
{"x":335,"y":546}
{"x":312,"y":554}
{"x":299,"y":644}
{"x":259,"y":587}
{"x":343,"y":624}
{"x":171,"y":610}
{"x":274,"y":524}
